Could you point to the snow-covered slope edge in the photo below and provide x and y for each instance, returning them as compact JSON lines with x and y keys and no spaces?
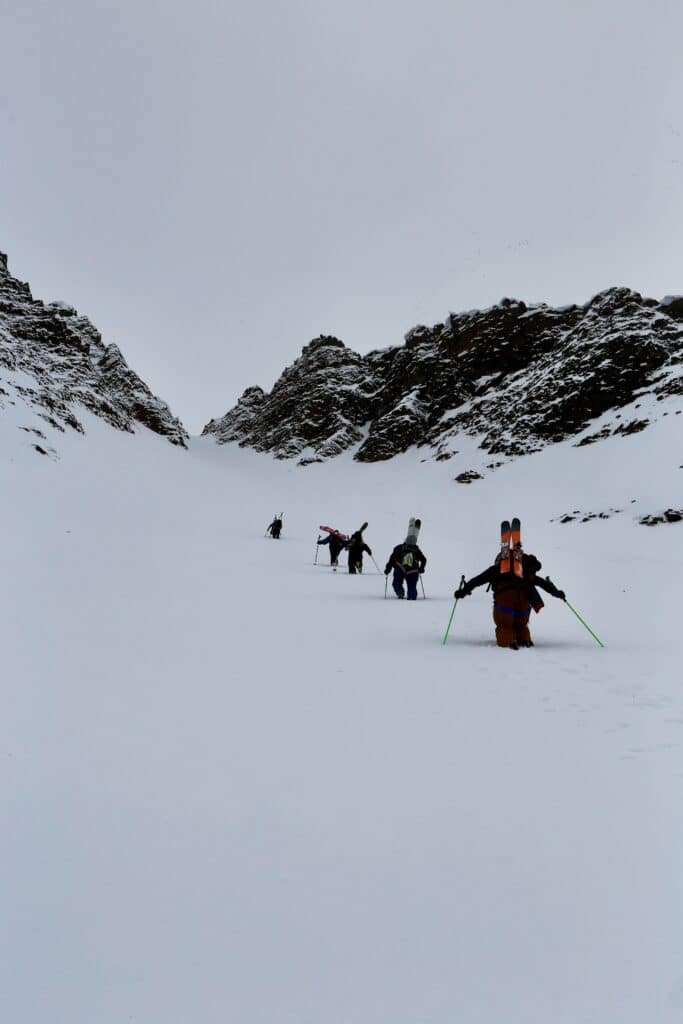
{"x":53,"y":364}
{"x":507,"y":381}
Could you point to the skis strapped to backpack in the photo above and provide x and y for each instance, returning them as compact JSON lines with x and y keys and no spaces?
{"x":409,"y":559}
{"x":330,"y":529}
{"x":359,"y":533}
{"x":505,"y":565}
{"x":516,"y":545}
{"x":413,"y":531}
{"x":511,"y":548}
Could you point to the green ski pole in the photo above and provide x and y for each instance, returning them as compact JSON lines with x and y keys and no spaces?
{"x":448,"y":628}
{"x":583,"y":623}
{"x":597,"y":639}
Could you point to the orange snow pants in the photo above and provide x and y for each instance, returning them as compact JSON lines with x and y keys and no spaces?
{"x":511,"y":610}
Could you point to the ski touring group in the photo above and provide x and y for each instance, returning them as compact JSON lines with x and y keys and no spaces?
{"x":406,"y":560}
{"x":512,"y":578}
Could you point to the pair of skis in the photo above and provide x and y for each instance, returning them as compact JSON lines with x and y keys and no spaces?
{"x":331,"y":529}
{"x":511,"y":547}
{"x":413,"y":531}
{"x":343,"y":536}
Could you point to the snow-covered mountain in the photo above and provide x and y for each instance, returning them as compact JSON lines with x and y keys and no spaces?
{"x":480,"y":389}
{"x":513,"y":378}
{"x":53,"y":365}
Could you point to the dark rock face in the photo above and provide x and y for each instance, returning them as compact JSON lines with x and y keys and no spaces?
{"x":669,"y":515}
{"x":468,"y":477}
{"x":515,"y":377}
{"x":54,"y":361}
{"x":317,"y":406}
{"x":673,"y":305}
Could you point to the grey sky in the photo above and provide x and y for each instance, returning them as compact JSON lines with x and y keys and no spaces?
{"x":216,"y":183}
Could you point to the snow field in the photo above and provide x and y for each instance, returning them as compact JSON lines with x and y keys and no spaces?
{"x":240,"y":787}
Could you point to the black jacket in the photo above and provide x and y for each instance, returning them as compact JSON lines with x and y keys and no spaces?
{"x":397,"y":555}
{"x":356,"y":548}
{"x":336,"y":544}
{"x":501,"y":581}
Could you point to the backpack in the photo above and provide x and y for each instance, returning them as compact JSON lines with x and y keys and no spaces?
{"x":409,"y":559}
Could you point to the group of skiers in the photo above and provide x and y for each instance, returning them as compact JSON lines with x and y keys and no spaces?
{"x":513,"y":577}
{"x":354,"y":545}
{"x":406,"y":560}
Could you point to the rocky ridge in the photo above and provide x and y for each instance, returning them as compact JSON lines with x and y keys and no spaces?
{"x":54,"y":363}
{"x":513,"y":377}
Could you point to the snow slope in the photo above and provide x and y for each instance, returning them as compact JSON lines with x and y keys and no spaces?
{"x":239,"y":787}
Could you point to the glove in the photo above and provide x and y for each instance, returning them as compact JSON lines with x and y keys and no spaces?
{"x":387,"y":571}
{"x":461,"y":592}
{"x":560,"y":594}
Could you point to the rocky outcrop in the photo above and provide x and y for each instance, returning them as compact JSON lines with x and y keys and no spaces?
{"x":315,"y":409}
{"x":54,"y":362}
{"x":515,"y":377}
{"x":669,"y":515}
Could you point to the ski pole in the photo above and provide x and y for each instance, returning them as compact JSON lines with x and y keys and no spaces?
{"x":585,"y":624}
{"x":455,"y":603}
{"x":597,"y":639}
{"x":423,"y":588}
{"x":375,"y":563}
{"x":386,"y":581}
{"x":317,"y":549}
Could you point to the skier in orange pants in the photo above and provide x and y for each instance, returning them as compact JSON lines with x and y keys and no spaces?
{"x":514,"y":595}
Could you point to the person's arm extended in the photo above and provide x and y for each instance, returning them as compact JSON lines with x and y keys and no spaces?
{"x":549,"y":587}
{"x":488,"y":576}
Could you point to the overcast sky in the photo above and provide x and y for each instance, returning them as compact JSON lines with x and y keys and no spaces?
{"x":215,"y":183}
